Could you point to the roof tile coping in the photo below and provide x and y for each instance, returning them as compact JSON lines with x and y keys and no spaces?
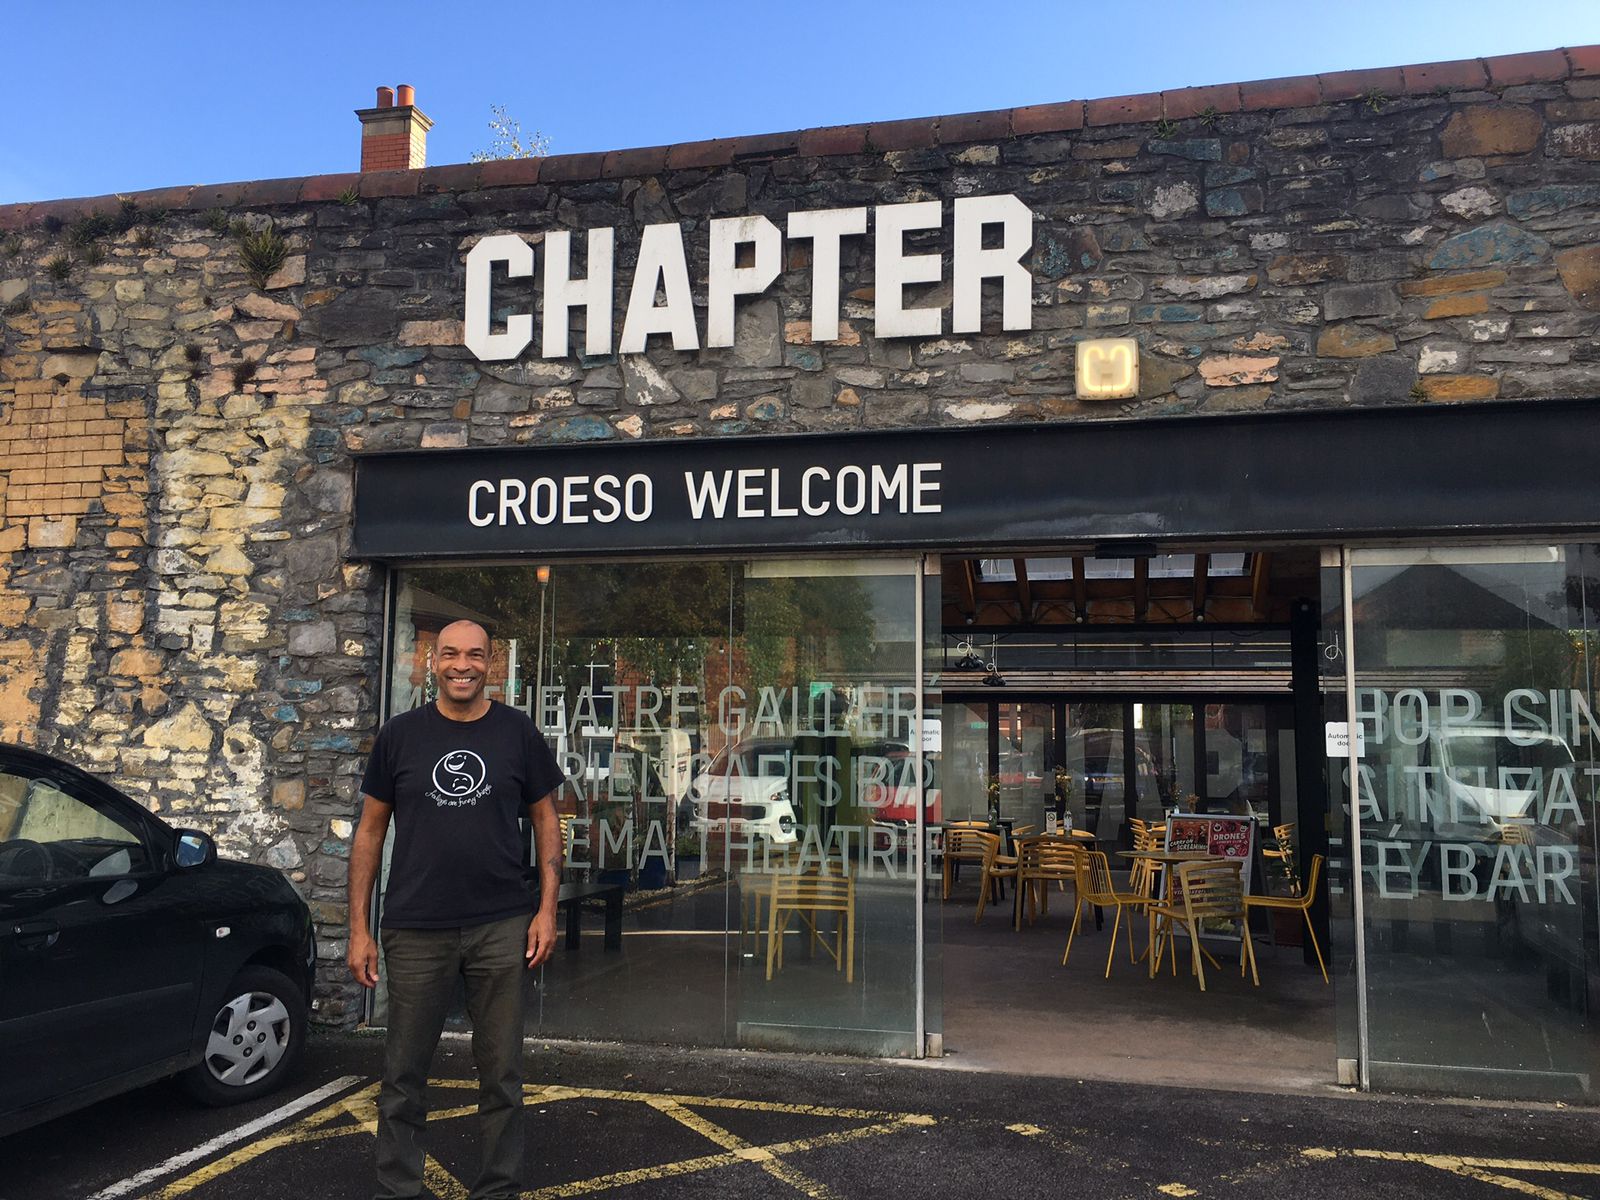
{"x":1298,"y":91}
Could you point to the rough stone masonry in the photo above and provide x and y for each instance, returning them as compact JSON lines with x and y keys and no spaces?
{"x":176,"y":605}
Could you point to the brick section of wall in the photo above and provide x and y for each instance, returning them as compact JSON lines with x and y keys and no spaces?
{"x":55,"y":448}
{"x":386,"y":152}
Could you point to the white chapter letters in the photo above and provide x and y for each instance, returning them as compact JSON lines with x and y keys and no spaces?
{"x":744,"y":258}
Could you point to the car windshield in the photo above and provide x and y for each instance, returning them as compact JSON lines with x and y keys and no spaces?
{"x":752,"y":759}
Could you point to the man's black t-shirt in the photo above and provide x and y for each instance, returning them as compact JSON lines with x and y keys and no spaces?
{"x":457,"y":788}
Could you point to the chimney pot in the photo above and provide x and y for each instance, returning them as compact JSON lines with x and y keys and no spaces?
{"x":385,"y":97}
{"x":405,"y":95}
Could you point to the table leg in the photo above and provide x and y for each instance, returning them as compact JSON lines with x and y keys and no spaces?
{"x":614,"y":921}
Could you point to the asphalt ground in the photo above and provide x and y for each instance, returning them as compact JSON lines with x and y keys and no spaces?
{"x":635,"y":1122}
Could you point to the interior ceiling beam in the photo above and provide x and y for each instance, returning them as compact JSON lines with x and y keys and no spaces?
{"x":1024,"y":592}
{"x":1260,"y":576}
{"x":969,"y":581}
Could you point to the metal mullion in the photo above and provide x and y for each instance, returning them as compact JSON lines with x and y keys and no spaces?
{"x":1352,"y":729}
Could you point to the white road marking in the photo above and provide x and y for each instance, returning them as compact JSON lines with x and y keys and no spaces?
{"x":178,"y":1161}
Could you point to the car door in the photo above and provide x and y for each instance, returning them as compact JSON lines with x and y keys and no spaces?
{"x":100,"y":953}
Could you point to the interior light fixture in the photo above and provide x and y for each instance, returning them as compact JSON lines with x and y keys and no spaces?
{"x":969,"y":660}
{"x":994,"y":678}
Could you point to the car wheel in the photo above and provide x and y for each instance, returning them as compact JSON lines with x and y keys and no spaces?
{"x":254,"y":1040}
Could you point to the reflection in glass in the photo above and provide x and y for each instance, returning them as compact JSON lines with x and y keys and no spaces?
{"x":1475,"y":690}
{"x":718,"y":724}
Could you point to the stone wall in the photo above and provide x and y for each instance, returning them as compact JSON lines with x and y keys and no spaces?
{"x":179,"y":609}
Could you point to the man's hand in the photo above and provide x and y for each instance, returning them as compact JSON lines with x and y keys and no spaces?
{"x":541,"y":937}
{"x":363,"y":959}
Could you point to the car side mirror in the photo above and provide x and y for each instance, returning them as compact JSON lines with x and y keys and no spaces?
{"x":194,"y":849}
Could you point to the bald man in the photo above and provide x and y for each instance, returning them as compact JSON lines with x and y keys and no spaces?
{"x":455,"y":776}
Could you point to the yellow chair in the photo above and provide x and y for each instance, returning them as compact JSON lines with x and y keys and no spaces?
{"x":1095,"y":888}
{"x":1209,"y":891}
{"x":1039,"y":861}
{"x":965,"y":842}
{"x":996,"y":868}
{"x":1300,"y":904}
{"x":1144,"y":875}
{"x":807,"y":896}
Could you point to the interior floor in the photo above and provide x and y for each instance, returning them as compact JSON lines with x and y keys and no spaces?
{"x":1010,"y":1005}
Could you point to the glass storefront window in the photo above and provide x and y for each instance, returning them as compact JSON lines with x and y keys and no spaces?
{"x":1474,"y":679}
{"x":736,"y":738}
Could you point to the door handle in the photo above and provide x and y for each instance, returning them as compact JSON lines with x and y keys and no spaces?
{"x":35,"y":935}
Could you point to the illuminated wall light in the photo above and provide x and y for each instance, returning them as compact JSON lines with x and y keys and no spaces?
{"x":1107,"y":369}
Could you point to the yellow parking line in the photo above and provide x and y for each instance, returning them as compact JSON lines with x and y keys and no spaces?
{"x":765,"y":1158}
{"x":361,"y":1108}
{"x":1484,"y":1170}
{"x":293,"y":1135}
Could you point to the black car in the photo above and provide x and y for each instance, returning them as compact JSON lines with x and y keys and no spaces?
{"x":129,"y":951}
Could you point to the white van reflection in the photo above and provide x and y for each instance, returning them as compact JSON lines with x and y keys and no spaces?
{"x":1486,"y":783}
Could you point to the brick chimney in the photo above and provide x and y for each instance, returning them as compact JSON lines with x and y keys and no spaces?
{"x":394,"y":135}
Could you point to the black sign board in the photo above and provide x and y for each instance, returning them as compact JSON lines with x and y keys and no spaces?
{"x":1523,"y":468}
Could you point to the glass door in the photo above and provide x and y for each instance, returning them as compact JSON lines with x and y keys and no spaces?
{"x":825,"y":690}
{"x":1474,"y":815}
{"x":1096,"y":759}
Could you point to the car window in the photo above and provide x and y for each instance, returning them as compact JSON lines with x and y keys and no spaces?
{"x":50,"y":834}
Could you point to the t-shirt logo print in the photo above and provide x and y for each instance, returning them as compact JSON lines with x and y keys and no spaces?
{"x":459,"y":774}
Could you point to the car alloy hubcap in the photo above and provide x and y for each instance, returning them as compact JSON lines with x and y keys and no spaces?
{"x":248,"y":1038}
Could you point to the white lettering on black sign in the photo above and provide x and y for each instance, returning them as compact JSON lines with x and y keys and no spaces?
{"x":741,"y":494}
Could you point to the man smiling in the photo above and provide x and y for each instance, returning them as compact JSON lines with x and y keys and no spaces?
{"x":454,"y":776}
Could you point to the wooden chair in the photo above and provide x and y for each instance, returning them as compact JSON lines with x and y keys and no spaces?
{"x":807,"y":896}
{"x":1281,"y":852}
{"x":1095,"y":888}
{"x":1210,"y":890}
{"x":1144,"y":876}
{"x":965,"y":842}
{"x":1039,"y":861}
{"x":1300,"y":904}
{"x":997,"y":867}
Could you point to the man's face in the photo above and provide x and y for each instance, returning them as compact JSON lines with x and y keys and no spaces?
{"x":461,"y":662}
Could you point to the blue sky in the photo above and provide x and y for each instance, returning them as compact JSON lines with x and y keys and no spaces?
{"x":112,"y":97}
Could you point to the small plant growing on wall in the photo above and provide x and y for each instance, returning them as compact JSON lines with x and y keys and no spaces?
{"x":216,"y":220}
{"x":1166,"y":130}
{"x":1209,"y":116}
{"x":243,"y":373}
{"x":1375,"y":99}
{"x":94,"y":254}
{"x":58,"y":268}
{"x":350,"y":196}
{"x":128,"y":214}
{"x":262,"y":252}
{"x":11,"y":247}
{"x":88,"y":229}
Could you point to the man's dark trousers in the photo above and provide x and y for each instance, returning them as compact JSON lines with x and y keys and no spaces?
{"x":421,"y":967}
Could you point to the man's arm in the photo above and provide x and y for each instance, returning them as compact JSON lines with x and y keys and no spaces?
{"x":551,"y":856}
{"x":365,"y":854}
